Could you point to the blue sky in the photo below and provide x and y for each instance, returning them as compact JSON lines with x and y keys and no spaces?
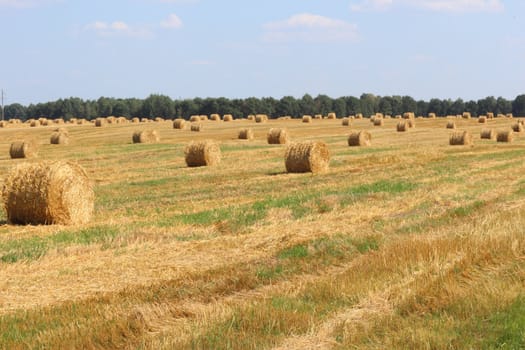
{"x":54,"y":49}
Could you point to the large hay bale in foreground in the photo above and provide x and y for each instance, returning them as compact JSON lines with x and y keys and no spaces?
{"x":48,"y":193}
{"x":277,"y":136}
{"x":59,"y":138}
{"x":309,"y":156}
{"x":145,"y":136}
{"x":202,"y":153}
{"x":505,"y":136}
{"x":24,"y":149}
{"x":246,"y":134}
{"x":488,"y":134}
{"x":360,"y":138}
{"x":461,"y":138}
{"x":179,"y":123}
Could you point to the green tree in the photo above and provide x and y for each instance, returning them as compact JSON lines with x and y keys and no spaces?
{"x":15,"y":111}
{"x":518,"y":106}
{"x":287,"y":105}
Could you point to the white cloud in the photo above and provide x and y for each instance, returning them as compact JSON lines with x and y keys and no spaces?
{"x":432,"y":5}
{"x":26,"y":3}
{"x":173,"y":21}
{"x":308,"y":27}
{"x":117,"y":28}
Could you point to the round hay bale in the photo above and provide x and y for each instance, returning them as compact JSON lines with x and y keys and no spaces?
{"x":409,"y":115}
{"x":146,"y":136}
{"x":402,"y":126}
{"x":490,"y":115}
{"x":378,"y":121}
{"x":145,"y":120}
{"x":309,"y":156}
{"x":461,"y":138}
{"x":135,"y":120}
{"x":517,"y":127}
{"x":505,"y":136}
{"x":196,"y":127}
{"x":227,"y":117}
{"x":215,"y":117}
{"x":432,"y":115}
{"x":360,"y":138}
{"x":3,"y":124}
{"x":359,"y":116}
{"x":261,"y":118}
{"x":203,"y":117}
{"x":157,"y":119}
{"x":24,"y":149}
{"x":48,"y":193}
{"x":307,"y":118}
{"x":346,"y":122}
{"x":59,"y":121}
{"x":451,"y":124}
{"x":246,"y":134}
{"x":202,"y":153}
{"x":58,"y":138}
{"x":482,"y":119}
{"x":411,"y":123}
{"x":250,"y":117}
{"x":331,"y":115}
{"x":179,"y":123}
{"x":509,"y":115}
{"x":466,"y":115}
{"x":100,"y":122}
{"x":488,"y":134}
{"x":277,"y":136}
{"x":34,"y":123}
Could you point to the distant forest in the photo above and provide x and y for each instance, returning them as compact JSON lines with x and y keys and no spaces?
{"x":163,"y":106}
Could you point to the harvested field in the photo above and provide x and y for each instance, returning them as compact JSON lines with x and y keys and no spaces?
{"x":406,"y":243}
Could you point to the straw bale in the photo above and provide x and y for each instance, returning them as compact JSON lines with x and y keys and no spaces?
{"x":517,"y":127}
{"x":227,"y":118}
{"x":318,"y":116}
{"x":490,"y":115}
{"x":35,"y":123}
{"x":202,"y":153}
{"x":432,"y":115}
{"x":466,"y":115}
{"x":482,"y":119}
{"x":451,"y":124}
{"x":3,"y":124}
{"x":261,"y":118}
{"x":100,"y":122}
{"x":24,"y":149}
{"x":277,"y":136}
{"x":378,"y":121}
{"x":402,"y":126}
{"x":307,"y":118}
{"x":505,"y":136}
{"x":461,"y":138}
{"x":346,"y":122}
{"x":246,"y":134}
{"x":215,"y":117}
{"x":309,"y":156}
{"x":179,"y":123}
{"x":488,"y":134}
{"x":331,"y":115}
{"x":196,"y":127}
{"x":135,"y":120}
{"x":360,"y":138}
{"x":145,"y":136}
{"x":59,"y":138}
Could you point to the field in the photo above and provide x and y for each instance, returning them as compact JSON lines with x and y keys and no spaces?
{"x":407,"y":244}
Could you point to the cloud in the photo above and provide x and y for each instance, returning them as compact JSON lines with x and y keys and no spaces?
{"x":458,"y":6}
{"x":26,"y":3}
{"x":173,"y":21}
{"x":117,"y":28}
{"x":308,"y":27}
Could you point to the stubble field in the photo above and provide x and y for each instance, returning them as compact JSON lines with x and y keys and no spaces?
{"x":408,"y":243}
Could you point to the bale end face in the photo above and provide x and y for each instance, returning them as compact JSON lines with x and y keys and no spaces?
{"x":24,"y":149}
{"x":277,"y":136}
{"x":361,"y":138}
{"x":145,"y":136}
{"x":202,"y":153}
{"x":245,"y":134}
{"x":302,"y":157}
{"x":461,"y":139}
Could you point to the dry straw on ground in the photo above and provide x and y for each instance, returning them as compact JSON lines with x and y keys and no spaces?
{"x":196,"y":127}
{"x":48,"y":193}
{"x":179,"y":123}
{"x":277,"y":136}
{"x":451,"y":124}
{"x":488,"y":134}
{"x":307,"y":118}
{"x":360,"y":138}
{"x":309,"y":156}
{"x":24,"y":149}
{"x":145,"y":136}
{"x":246,"y":134}
{"x":59,"y":138}
{"x":202,"y":153}
{"x":461,"y":138}
{"x":505,"y":136}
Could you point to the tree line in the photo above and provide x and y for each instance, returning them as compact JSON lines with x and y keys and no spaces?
{"x":157,"y":105}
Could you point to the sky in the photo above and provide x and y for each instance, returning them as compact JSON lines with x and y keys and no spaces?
{"x":467,"y":49}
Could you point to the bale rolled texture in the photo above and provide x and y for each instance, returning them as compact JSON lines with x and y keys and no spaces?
{"x":24,"y":149}
{"x":461,"y":138}
{"x":195,"y":118}
{"x":360,"y":138}
{"x":482,"y":119}
{"x":215,"y":117}
{"x":227,"y":117}
{"x":59,"y":138}
{"x":179,"y":123}
{"x":100,"y":122}
{"x":246,"y":134}
{"x":378,"y":121}
{"x":346,"y":122}
{"x":505,"y":136}
{"x":331,"y":115}
{"x":307,"y":118}
{"x":202,"y":153}
{"x":48,"y":193}
{"x":261,"y":118}
{"x":196,"y":127}
{"x":402,"y":126}
{"x":145,"y":136}
{"x":451,"y":125}
{"x":488,"y":134}
{"x":518,"y":127}
{"x":277,"y":136}
{"x":309,"y":156}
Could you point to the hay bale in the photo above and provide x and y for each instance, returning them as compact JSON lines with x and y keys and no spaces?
{"x":145,"y":136}
{"x":378,"y":121}
{"x":59,"y":138}
{"x":261,"y":118}
{"x":135,"y":120}
{"x":61,"y":130}
{"x":318,"y":116}
{"x":466,"y":115}
{"x":490,"y":115}
{"x":3,"y":124}
{"x":451,"y":124}
{"x":24,"y":149}
{"x":277,"y":136}
{"x":509,"y":115}
{"x":409,"y":115}
{"x":432,"y":115}
{"x":48,"y":193}
{"x":35,"y":123}
{"x":246,"y":134}
{"x":227,"y":118}
{"x":360,"y":138}
{"x":331,"y":115}
{"x":359,"y":116}
{"x":215,"y":117}
{"x":157,"y":119}
{"x":346,"y":122}
{"x":505,"y":136}
{"x":488,"y":134}
{"x":517,"y":127}
{"x":196,"y":127}
{"x":402,"y":126}
{"x":461,"y":138}
{"x":179,"y":123}
{"x":100,"y":122}
{"x":482,"y":119}
{"x":411,"y":123}
{"x":307,"y":118}
{"x":202,"y":153}
{"x":309,"y":156}
{"x":249,"y":117}
{"x":203,"y":117}
{"x":59,"y":121}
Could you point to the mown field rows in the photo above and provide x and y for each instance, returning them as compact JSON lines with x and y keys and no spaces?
{"x":408,"y":243}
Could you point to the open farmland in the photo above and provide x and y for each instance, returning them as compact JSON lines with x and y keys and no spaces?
{"x":407,"y":243}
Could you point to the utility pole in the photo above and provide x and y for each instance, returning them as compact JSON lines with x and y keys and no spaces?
{"x":2,"y":104}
